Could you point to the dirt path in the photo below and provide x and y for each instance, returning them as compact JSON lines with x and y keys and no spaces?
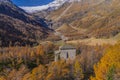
{"x":64,"y":12}
{"x":61,"y":35}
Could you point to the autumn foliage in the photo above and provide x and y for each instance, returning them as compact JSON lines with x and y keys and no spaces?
{"x":37,"y":63}
{"x":109,"y":66}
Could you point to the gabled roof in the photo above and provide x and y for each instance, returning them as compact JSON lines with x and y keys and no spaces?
{"x":64,"y":47}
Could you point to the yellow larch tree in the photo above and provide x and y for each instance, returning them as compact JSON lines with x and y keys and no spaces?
{"x":38,"y":73}
{"x":109,"y":66}
{"x":78,"y":73}
{"x":58,"y":71}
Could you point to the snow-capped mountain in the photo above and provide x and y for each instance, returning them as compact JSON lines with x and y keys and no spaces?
{"x":52,"y":6}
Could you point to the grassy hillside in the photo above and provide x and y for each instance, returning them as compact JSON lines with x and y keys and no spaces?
{"x":65,"y":28}
{"x":99,"y":19}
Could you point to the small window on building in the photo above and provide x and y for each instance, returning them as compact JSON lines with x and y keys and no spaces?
{"x":67,"y":55}
{"x":58,"y":57}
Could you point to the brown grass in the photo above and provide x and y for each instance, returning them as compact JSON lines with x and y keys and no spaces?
{"x":94,"y":41}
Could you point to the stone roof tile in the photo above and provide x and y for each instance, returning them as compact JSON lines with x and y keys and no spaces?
{"x":67,"y":47}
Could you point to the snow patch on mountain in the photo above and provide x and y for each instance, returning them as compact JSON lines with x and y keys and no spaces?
{"x":52,"y":6}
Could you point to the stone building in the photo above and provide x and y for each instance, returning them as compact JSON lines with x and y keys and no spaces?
{"x":65,"y":52}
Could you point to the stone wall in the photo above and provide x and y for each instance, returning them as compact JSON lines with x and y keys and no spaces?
{"x":68,"y":54}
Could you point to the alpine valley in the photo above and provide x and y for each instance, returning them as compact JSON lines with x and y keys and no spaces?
{"x":89,"y":21}
{"x":62,"y":40}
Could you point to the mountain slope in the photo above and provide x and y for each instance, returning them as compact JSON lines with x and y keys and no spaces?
{"x":100,"y":18}
{"x":65,"y":28}
{"x":18,"y":27}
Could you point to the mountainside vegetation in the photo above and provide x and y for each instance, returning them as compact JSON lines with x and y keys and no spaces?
{"x":37,"y":63}
{"x":18,"y":27}
{"x":109,"y":66}
{"x":93,"y":18}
